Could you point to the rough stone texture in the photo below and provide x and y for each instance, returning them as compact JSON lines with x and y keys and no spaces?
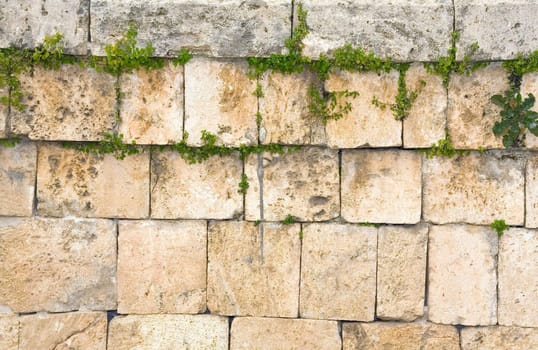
{"x":471,"y":114}
{"x":501,"y":28}
{"x":338,"y":269}
{"x":426,"y":121}
{"x":168,"y":332}
{"x":278,"y":333}
{"x":72,"y":103}
{"x":404,"y":30}
{"x":77,"y":330}
{"x":475,"y":188}
{"x":17,"y":179}
{"x":3,"y":114}
{"x":529,"y":85}
{"x":381,"y":186}
{"x":303,"y":183}
{"x":531,"y":189}
{"x":71,"y":182}
{"x":401,"y":272}
{"x":231,"y":28}
{"x":9,"y":332}
{"x":462,"y":279}
{"x":366,"y":125}
{"x":207,"y":190}
{"x":518,"y":278}
{"x":242,"y":281}
{"x":162,"y":267}
{"x":26,"y":22}
{"x":285,"y":113}
{"x":152,"y":105}
{"x":57,"y":265}
{"x":499,"y":338}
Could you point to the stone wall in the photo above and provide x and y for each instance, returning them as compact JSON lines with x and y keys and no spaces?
{"x":358,"y":233}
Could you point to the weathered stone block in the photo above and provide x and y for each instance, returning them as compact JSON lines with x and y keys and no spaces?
{"x":499,"y":338}
{"x":3,"y":114}
{"x":462,"y":281}
{"x":278,"y":333}
{"x":381,"y":186}
{"x":219,"y":98}
{"x":401,"y":272}
{"x":78,"y":108}
{"x":531,"y":192}
{"x":77,"y":330}
{"x":204,"y":332}
{"x":71,"y":182}
{"x":475,"y":188}
{"x":471,"y":114}
{"x":57,"y":265}
{"x":9,"y":332}
{"x":17,"y":179}
{"x":529,"y":85}
{"x":225,"y":28}
{"x":207,"y":190}
{"x":251,"y":275}
{"x":344,"y":258}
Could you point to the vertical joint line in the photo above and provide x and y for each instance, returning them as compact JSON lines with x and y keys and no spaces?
{"x":300,"y":269}
{"x":292,"y":18}
{"x":184,"y":97}
{"x":376,"y":271}
{"x":89,"y":26}
{"x":260,"y":181}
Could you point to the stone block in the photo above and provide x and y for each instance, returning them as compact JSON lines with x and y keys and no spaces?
{"x":57,"y":265}
{"x":71,"y":182}
{"x":9,"y":332}
{"x":17,"y":179}
{"x":206,"y":190}
{"x":499,"y":338}
{"x":531,"y":192}
{"x":203,"y":332}
{"x":343,"y":256}
{"x":529,"y":85}
{"x":3,"y":114}
{"x":279,"y":333}
{"x":381,"y":186}
{"x":250,"y":274}
{"x":462,"y":280}
{"x":401,"y":272}
{"x":219,"y":98}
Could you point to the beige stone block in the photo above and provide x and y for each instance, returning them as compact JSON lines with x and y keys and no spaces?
{"x":366,"y":125}
{"x":219,"y":98}
{"x":462,"y":281}
{"x":338,"y":269}
{"x":471,"y":114}
{"x":57,"y":265}
{"x":254,"y":193}
{"x":168,"y":332}
{"x":399,"y":336}
{"x":531,"y":192}
{"x":207,"y":190}
{"x":529,"y":85}
{"x":71,"y":182}
{"x":284,"y":108}
{"x":162,"y":267}
{"x":278,"y":333}
{"x":401,"y":272}
{"x":72,"y":103}
{"x":9,"y":332}
{"x":499,"y":338}
{"x":77,"y":330}
{"x":381,"y":186}
{"x":426,"y":121}
{"x":250,"y":274}
{"x":3,"y":113}
{"x":17,"y":179}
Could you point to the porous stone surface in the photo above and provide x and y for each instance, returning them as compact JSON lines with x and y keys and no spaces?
{"x":343,"y":256}
{"x":9,"y":332}
{"x":152,"y":105}
{"x":302,"y":183}
{"x":206,"y":190}
{"x":3,"y":113}
{"x":57,"y":265}
{"x":401,"y":272}
{"x":71,"y":103}
{"x":230,"y":28}
{"x":390,"y":335}
{"x":219,"y":98}
{"x":250,"y":274}
{"x":381,"y":186}
{"x":204,"y":332}
{"x":24,"y":23}
{"x":71,"y":182}
{"x":77,"y":330}
{"x":462,"y":281}
{"x":404,"y":30}
{"x":529,"y":85}
{"x":17,"y":179}
{"x":162,"y":267}
{"x":471,"y":114}
{"x":279,"y":333}
{"x":474,"y":188}
{"x":531,"y":191}
{"x":499,"y":338}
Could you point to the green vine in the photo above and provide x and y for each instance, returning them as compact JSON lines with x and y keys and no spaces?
{"x":182,"y":57}
{"x":10,"y":142}
{"x":499,"y":226}
{"x":112,"y":143}
{"x":443,"y":148}
{"x":327,"y":106}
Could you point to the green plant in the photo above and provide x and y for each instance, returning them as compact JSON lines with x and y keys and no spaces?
{"x":257,"y":223}
{"x":289,"y":220}
{"x":259,"y":119}
{"x":328,"y":106}
{"x":301,"y":235}
{"x":499,"y":226}
{"x":357,"y":60}
{"x":369,"y":224}
{"x":112,"y":143}
{"x":405,"y":98}
{"x":258,"y":92}
{"x":182,"y":57}
{"x":50,"y":54}
{"x":9,"y":142}
{"x":243,"y":184}
{"x":522,"y":65}
{"x":443,"y":148}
